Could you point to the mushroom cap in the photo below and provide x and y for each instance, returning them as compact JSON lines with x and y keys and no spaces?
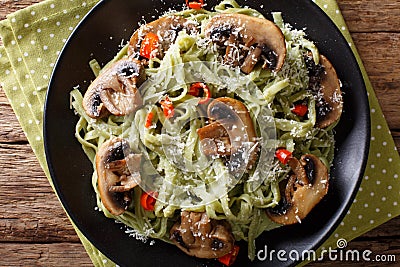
{"x":117,"y":173}
{"x":304,"y":190}
{"x":115,"y":90}
{"x":232,"y":129}
{"x":253,"y":30}
{"x":197,"y":235}
{"x":166,"y":28}
{"x":331,"y":94}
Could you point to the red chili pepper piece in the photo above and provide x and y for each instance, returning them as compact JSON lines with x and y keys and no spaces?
{"x":195,"y":4}
{"x":149,"y":120}
{"x":207,"y":95}
{"x":283,"y":155}
{"x":195,"y":90}
{"x":149,"y":45}
{"x":167,"y":107}
{"x":148,"y":200}
{"x":230,"y":258}
{"x":300,"y":109}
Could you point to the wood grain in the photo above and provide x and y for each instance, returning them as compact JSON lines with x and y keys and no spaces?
{"x":371,"y":16}
{"x":29,"y":209}
{"x":52,"y":254}
{"x":379,"y":52}
{"x":390,"y":230}
{"x":360,"y":15}
{"x":9,"y":6}
{"x":10,"y":129}
{"x":34,"y":230}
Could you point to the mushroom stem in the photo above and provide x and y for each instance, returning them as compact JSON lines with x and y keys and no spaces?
{"x":214,"y":140}
{"x":232,"y":53}
{"x":231,"y":133}
{"x":251,"y":59}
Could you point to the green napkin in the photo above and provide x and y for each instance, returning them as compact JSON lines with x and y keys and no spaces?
{"x":33,"y":38}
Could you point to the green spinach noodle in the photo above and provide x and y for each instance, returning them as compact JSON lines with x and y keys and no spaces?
{"x":249,"y":210}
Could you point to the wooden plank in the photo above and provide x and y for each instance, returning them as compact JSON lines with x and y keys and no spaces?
{"x":29,"y":209}
{"x":388,"y":229}
{"x":396,"y":137}
{"x":371,"y":16}
{"x":358,"y":14}
{"x":11,"y":131}
{"x":55,"y":254}
{"x":384,"y":75}
{"x":10,"y":6}
{"x":26,"y":174}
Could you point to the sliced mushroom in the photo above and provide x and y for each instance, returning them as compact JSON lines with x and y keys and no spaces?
{"x":247,"y":40}
{"x":231,"y":133}
{"x":166,"y":28}
{"x":251,"y":59}
{"x":304,"y":190}
{"x":117,"y":174}
{"x":197,"y":235}
{"x":325,"y":85}
{"x":115,"y":90}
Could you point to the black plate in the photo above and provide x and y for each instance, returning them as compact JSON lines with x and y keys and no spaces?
{"x":99,"y":36}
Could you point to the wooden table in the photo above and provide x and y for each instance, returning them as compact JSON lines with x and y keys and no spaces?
{"x":34,"y":229}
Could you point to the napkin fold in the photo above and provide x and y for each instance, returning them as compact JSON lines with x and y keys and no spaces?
{"x":33,"y":38}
